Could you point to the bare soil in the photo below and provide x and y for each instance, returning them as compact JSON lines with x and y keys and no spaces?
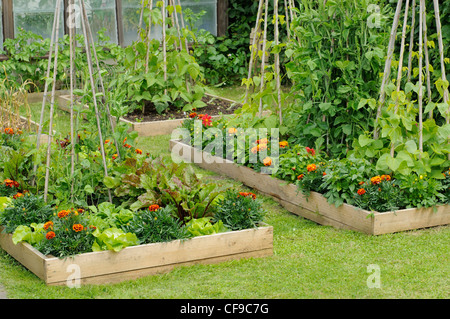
{"x":214,"y":106}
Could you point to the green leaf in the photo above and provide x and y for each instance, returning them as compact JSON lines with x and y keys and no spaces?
{"x":364,"y":140}
{"x":411,"y":146}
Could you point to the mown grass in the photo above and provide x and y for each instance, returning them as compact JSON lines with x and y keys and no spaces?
{"x":310,"y":261}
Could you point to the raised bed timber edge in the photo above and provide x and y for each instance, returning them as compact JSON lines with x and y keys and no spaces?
{"x":315,"y":207}
{"x":151,"y":128}
{"x":142,"y":260}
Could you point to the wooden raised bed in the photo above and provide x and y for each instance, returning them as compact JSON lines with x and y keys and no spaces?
{"x":315,"y":207}
{"x":149,"y":128}
{"x":143,"y":260}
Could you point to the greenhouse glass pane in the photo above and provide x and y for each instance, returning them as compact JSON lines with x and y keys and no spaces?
{"x":131,"y":12}
{"x":37,"y":16}
{"x":209,"y":20}
{"x":101,"y":14}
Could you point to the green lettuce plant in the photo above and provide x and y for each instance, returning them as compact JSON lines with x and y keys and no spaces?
{"x":205,"y":226}
{"x":114,"y":239}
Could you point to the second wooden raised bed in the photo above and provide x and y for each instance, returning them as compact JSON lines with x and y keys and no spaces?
{"x":315,"y":207}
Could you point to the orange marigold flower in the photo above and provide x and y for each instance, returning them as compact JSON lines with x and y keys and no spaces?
{"x":9,"y":131}
{"x":138,"y":151}
{"x":48,"y":225}
{"x":311,"y":167}
{"x":385,"y":177}
{"x":114,"y":156}
{"x":361,"y":191}
{"x":11,"y":183}
{"x":299,"y":177}
{"x":361,"y":183}
{"x":232,"y":130}
{"x":247,"y":194}
{"x":63,"y":213}
{"x":192,"y":115}
{"x":106,"y":141}
{"x":267,"y":161}
{"x":127,"y":145}
{"x":77,"y":227}
{"x":375,"y":180}
{"x":17,"y":195}
{"x":153,"y":208}
{"x":284,"y":144}
{"x":50,"y":235}
{"x":80,"y":210}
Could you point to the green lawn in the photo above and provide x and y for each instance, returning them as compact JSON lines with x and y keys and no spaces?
{"x":309,"y":261}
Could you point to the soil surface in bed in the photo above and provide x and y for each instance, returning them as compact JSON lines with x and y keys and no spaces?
{"x":214,"y":106}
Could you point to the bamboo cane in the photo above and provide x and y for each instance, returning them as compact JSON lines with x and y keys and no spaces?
{"x":421,"y":8}
{"x":441,"y":55}
{"x":91,"y":77}
{"x":387,"y":66}
{"x":277,"y":63}
{"x":52,"y":104}
{"x":44,"y":99}
{"x":253,"y":48}
{"x":427,"y":59}
{"x":177,"y":25}
{"x":263,"y":62}
{"x":400,"y":63}
{"x":72,"y":135}
{"x":183,"y":27}
{"x":411,"y":40}
{"x":100,"y":78}
{"x":163,"y":11}
{"x":148,"y":41}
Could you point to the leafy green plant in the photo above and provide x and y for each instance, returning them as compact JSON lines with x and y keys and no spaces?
{"x":421,"y":191}
{"x":25,"y":210}
{"x":342,"y":179}
{"x":172,"y":79}
{"x":32,"y":234}
{"x":156,"y":225}
{"x":205,"y":226}
{"x":107,"y":215}
{"x":239,"y":210}
{"x":161,"y":182}
{"x":114,"y":239}
{"x":335,"y":63}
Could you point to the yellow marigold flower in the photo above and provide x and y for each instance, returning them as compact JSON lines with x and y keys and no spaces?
{"x":311,"y":167}
{"x":284,"y":144}
{"x":376,"y":180}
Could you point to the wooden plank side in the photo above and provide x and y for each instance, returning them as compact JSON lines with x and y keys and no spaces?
{"x":162,"y":254}
{"x":409,"y":219}
{"x":24,"y":253}
{"x":138,"y":273}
